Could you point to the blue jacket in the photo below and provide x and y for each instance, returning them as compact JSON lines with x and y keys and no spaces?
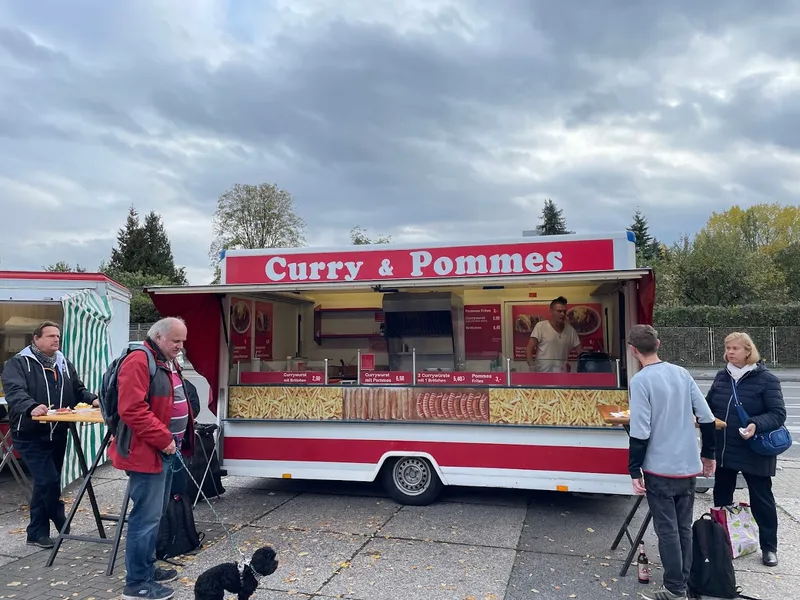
{"x":760,"y":393}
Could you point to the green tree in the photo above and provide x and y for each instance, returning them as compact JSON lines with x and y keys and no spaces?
{"x":359,"y":237}
{"x":552,"y":220}
{"x":788,"y":261}
{"x":142,"y":308}
{"x":130,"y":255}
{"x":64,"y":267}
{"x":648,"y":249}
{"x":720,"y":270}
{"x":761,"y":227}
{"x":159,"y":259}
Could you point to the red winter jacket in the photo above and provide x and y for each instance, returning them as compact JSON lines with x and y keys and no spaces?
{"x":149,"y":422}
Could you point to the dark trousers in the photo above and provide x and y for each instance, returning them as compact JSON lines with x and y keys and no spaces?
{"x":44,"y":458}
{"x":762,"y":503}
{"x":671,"y":502}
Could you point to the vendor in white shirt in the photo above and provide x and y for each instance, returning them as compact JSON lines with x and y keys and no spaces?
{"x":552,"y":341}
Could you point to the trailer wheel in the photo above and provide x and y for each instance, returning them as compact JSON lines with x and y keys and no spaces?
{"x":411,"y":480}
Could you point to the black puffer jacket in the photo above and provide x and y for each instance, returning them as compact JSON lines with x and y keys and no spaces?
{"x":760,"y":393}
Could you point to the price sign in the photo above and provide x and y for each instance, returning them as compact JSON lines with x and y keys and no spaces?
{"x":277,"y":377}
{"x":457,"y":378}
{"x":386,"y":378}
{"x":483,"y":338}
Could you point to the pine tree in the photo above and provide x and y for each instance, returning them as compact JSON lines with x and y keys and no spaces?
{"x":553,"y":221}
{"x":159,"y":259}
{"x":647,"y":247}
{"x":130,"y":255}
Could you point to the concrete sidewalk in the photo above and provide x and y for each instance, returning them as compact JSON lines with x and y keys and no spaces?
{"x":349,"y":541}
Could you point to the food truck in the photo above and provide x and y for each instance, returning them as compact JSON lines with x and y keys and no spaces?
{"x":93,"y":312}
{"x":407,"y":364}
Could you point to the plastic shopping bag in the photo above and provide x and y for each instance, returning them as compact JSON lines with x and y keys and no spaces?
{"x":738,"y":522}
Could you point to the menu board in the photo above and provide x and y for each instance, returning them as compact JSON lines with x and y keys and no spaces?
{"x":264,"y":329}
{"x":241,"y":322}
{"x":482,"y":334}
{"x":587,"y":319}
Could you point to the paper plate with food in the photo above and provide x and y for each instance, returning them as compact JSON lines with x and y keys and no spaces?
{"x":82,"y":407}
{"x":584,"y":319}
{"x":623,"y":414}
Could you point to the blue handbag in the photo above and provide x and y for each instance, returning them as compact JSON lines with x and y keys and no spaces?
{"x":771,"y":443}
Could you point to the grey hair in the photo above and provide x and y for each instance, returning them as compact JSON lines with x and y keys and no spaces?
{"x":163,"y":327}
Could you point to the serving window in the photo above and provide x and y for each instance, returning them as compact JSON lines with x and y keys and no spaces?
{"x":17,"y":322}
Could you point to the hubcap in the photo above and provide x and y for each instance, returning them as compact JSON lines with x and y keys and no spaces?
{"x":412,"y":476}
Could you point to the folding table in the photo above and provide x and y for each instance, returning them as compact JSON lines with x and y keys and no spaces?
{"x":605,"y":412}
{"x":72,"y":420}
{"x":7,"y":458}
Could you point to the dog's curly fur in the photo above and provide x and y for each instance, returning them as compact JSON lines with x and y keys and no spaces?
{"x":212,"y":584}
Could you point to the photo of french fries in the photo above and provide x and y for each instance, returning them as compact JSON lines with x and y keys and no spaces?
{"x":511,"y":406}
{"x":552,"y":406}
{"x":312,"y":403}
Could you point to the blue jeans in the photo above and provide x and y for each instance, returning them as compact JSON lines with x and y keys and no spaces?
{"x":44,"y":458}
{"x":150,"y":493}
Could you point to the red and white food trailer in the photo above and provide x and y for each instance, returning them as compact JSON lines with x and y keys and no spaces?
{"x":407,"y":363}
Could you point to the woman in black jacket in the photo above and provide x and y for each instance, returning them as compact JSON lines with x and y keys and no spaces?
{"x":759,"y":392}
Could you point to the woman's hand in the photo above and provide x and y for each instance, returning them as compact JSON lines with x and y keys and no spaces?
{"x":748,"y":431}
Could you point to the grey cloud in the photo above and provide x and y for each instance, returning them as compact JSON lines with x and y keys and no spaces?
{"x":395,"y":131}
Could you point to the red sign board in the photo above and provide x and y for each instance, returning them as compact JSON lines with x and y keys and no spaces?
{"x":386,"y":378}
{"x":264,"y":329}
{"x":460,"y":378}
{"x":569,"y":380}
{"x":521,"y":258}
{"x":483,"y":337}
{"x":241,"y":322}
{"x":261,"y":377}
{"x":367,"y":362}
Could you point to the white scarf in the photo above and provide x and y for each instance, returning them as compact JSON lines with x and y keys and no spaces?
{"x":738,"y":372}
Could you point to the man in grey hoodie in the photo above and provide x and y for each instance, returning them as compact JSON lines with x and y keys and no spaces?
{"x":664,"y":459}
{"x":36,"y":379}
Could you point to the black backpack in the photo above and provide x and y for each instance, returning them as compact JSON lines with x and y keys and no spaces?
{"x":109,"y":393}
{"x":712,"y":571}
{"x":177,"y":533}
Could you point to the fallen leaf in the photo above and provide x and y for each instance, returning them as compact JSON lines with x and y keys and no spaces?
{"x":573,"y":595}
{"x":14,"y":584}
{"x":303,"y":554}
{"x":590,"y":530}
{"x":535,"y":591}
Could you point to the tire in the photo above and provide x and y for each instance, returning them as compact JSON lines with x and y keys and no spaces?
{"x":411,"y":480}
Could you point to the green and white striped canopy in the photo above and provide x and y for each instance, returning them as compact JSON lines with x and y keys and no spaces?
{"x":86,"y":343}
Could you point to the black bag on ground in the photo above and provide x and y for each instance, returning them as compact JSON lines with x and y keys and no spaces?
{"x":203,"y":454}
{"x":712,"y":571}
{"x":177,"y":533}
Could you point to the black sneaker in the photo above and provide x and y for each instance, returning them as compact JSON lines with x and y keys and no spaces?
{"x":43,"y":542}
{"x":149,"y":590}
{"x":165,"y":575}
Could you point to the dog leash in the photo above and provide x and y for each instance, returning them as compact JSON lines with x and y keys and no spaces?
{"x":244,"y":562}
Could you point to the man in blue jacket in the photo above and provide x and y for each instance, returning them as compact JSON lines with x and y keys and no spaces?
{"x":36,"y":379}
{"x":664,"y":459}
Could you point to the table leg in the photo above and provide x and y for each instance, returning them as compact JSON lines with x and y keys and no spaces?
{"x":121,"y":520}
{"x":86,"y":485}
{"x":7,"y":458}
{"x":87,"y":474}
{"x":635,"y":544}
{"x":624,"y":529}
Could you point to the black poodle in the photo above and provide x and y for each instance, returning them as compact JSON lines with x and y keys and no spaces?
{"x":236,"y":577}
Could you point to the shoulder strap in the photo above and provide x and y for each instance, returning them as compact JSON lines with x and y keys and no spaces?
{"x":743,"y":416}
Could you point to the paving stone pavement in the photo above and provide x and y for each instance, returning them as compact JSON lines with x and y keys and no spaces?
{"x":350,"y":541}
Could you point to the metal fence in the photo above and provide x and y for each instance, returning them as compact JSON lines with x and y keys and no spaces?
{"x":704,"y":346}
{"x":687,"y":346}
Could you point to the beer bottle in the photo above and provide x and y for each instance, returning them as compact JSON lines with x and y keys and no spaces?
{"x":643,"y":565}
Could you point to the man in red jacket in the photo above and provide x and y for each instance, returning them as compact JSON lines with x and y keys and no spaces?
{"x":155,"y":421}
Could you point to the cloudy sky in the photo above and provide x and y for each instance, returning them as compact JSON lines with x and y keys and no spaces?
{"x":423,"y":119}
